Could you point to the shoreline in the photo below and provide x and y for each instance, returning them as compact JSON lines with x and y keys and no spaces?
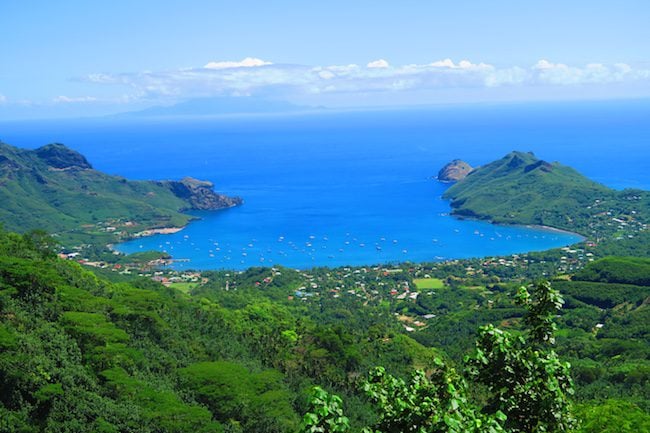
{"x":552,"y":229}
{"x":528,"y":226}
{"x":159,"y":231}
{"x":391,"y":262}
{"x":143,"y":234}
{"x":171,"y":230}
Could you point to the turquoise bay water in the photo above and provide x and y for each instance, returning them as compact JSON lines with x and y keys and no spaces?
{"x":351,"y":188}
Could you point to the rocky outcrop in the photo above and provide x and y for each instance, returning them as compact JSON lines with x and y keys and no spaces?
{"x":454,"y":171}
{"x":200,"y":195}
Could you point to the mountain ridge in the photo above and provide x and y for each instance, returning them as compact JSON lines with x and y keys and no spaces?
{"x":217,"y":106}
{"x":522,"y":189}
{"x":55,"y":188}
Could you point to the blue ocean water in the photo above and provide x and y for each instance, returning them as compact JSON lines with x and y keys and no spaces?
{"x":351,"y":188}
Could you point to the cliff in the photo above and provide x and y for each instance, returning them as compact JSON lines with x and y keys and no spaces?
{"x":454,"y":171}
{"x":200,"y":195}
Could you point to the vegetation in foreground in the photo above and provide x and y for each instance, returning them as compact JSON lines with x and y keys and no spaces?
{"x":526,"y":386}
{"x":242,"y":352}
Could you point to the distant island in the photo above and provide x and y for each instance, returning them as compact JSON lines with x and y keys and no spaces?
{"x":216,"y":106}
{"x":56,"y":189}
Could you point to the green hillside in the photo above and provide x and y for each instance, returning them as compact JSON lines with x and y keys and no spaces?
{"x":82,"y":354}
{"x":625,"y":270}
{"x":521,"y":189}
{"x":56,"y":189}
{"x":241,"y":351}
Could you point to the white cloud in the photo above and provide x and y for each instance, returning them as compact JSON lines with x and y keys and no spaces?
{"x":378,"y":64}
{"x":247,"y":77}
{"x":544,"y":64}
{"x":507,"y":76}
{"x":326,"y":75}
{"x":340,"y":69}
{"x":3,"y":98}
{"x":545,"y":72}
{"x":447,"y":63}
{"x":622,"y":67}
{"x":248,"y":62}
{"x":74,"y":99}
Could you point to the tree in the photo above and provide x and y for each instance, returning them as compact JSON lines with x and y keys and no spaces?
{"x":427,"y":404}
{"x":42,"y":242}
{"x":524,"y":376}
{"x":528,"y":386}
{"x":325,"y":414}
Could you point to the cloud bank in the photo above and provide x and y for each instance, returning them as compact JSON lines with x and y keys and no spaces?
{"x":254,"y":76}
{"x":73,"y":99}
{"x":381,"y":63}
{"x":248,"y":62}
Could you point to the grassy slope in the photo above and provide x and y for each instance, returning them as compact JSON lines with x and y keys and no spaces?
{"x":36,"y":195}
{"x":521,"y":189}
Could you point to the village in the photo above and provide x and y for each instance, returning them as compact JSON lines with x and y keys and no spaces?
{"x":401,"y":284}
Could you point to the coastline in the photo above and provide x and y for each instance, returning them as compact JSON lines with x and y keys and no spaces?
{"x":145,"y":233}
{"x":159,"y":231}
{"x":529,"y":226}
{"x":235,"y":266}
{"x":555,"y":230}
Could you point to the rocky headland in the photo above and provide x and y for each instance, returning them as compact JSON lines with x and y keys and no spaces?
{"x":454,"y":171}
{"x":200,"y":195}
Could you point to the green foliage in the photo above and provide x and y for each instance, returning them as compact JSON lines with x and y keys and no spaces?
{"x":638,"y":245}
{"x":613,"y":416}
{"x":524,"y":377}
{"x":7,"y":338}
{"x":325,"y":414}
{"x":624,"y":270}
{"x":438,"y":403}
{"x":32,"y":280}
{"x":258,"y":401}
{"x":241,"y":353}
{"x":55,"y":189}
{"x":84,"y":355}
{"x":527,"y":386}
{"x":162,"y":409}
{"x":604,"y":295}
{"x":92,"y":329}
{"x":541,"y":308}
{"x":521,"y":189}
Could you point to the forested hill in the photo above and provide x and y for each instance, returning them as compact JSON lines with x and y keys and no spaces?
{"x":522,"y":189}
{"x":81,"y":354}
{"x":56,"y":189}
{"x":241,"y":351}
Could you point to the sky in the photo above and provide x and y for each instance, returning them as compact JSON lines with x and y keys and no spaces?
{"x":78,"y":57}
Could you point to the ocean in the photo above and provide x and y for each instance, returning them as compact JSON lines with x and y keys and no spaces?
{"x":351,"y":187}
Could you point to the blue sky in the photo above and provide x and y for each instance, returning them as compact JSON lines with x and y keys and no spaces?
{"x":70,"y":58}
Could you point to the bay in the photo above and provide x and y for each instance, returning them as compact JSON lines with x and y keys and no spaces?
{"x":355,"y":187}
